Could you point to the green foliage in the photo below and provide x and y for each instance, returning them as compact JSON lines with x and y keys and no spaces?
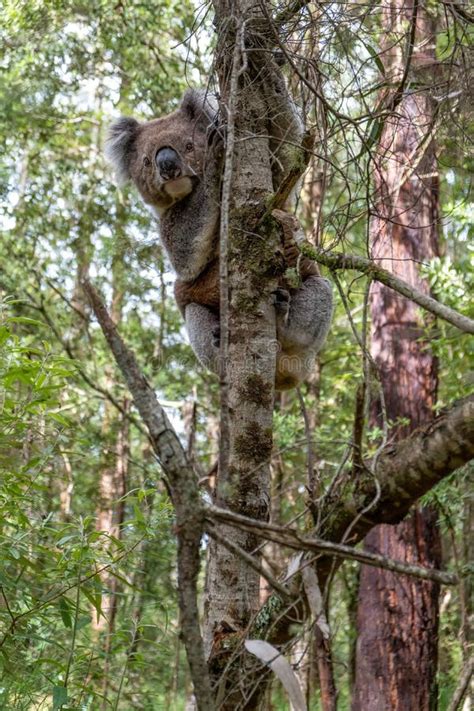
{"x":67,"y":69}
{"x":50,"y":585}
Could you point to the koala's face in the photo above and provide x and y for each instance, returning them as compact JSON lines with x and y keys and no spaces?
{"x":165,"y":158}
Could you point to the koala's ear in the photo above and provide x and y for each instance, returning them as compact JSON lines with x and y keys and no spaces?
{"x":201,"y":106}
{"x":119,"y":144}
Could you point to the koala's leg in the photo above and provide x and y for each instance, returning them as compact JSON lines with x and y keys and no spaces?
{"x":309,"y":317}
{"x":303,"y":332}
{"x":202,"y":326}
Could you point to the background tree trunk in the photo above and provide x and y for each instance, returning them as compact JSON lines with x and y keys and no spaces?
{"x":398,"y":617}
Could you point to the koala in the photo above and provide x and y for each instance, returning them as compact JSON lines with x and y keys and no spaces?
{"x":176,"y":164}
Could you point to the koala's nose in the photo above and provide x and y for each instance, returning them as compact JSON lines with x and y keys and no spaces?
{"x":168,"y":163}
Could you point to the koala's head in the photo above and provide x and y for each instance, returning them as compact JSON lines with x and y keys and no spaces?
{"x":164,"y":158}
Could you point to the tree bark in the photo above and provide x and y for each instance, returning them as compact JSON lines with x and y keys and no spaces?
{"x":397,"y":617}
{"x":233,"y":587}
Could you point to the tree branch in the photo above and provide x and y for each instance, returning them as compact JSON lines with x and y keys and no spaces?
{"x":249,"y":559}
{"x":462,"y":686}
{"x":335,"y":261}
{"x":184,"y":492}
{"x":405,"y":471}
{"x":293,"y":539}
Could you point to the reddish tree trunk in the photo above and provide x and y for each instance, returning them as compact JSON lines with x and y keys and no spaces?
{"x":397,"y":617}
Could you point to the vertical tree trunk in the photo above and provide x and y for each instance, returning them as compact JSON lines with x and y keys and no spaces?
{"x":397,"y":616}
{"x":467,"y":582}
{"x":114,"y":470}
{"x":233,"y":588}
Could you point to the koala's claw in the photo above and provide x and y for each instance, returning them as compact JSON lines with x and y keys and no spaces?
{"x":216,"y":336}
{"x":281,"y":300}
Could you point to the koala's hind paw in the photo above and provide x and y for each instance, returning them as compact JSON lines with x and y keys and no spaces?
{"x":281,"y":301}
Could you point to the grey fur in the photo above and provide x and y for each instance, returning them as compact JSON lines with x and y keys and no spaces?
{"x":189,"y":219}
{"x":200,"y":101}
{"x":119,"y":141}
{"x":301,"y":332}
{"x":201,"y":323}
{"x":309,"y":317}
{"x":189,"y":229}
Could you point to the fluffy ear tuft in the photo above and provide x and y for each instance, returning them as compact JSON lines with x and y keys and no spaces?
{"x":120,"y":138}
{"x":201,"y":106}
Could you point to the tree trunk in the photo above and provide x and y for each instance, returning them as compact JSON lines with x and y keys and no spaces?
{"x":247,"y":383}
{"x":398,"y":617}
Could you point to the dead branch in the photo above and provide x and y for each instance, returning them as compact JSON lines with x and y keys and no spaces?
{"x":293,"y":539}
{"x":461,"y":688}
{"x":335,"y":261}
{"x":250,"y":560}
{"x":184,"y":492}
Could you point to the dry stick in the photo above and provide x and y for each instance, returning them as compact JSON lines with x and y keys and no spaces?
{"x":184,"y":491}
{"x":461,"y":688}
{"x":289,"y":12}
{"x":398,"y":94}
{"x":293,"y":539}
{"x":334,"y":261}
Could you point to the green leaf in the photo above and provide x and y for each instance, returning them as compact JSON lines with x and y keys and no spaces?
{"x":25,"y":320}
{"x":59,"y":697}
{"x":375,"y":56}
{"x":64,"y":611}
{"x":83,"y":622}
{"x":95,"y":599}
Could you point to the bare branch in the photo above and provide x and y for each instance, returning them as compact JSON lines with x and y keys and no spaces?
{"x":461,"y":688}
{"x":335,"y":261}
{"x":183,"y":489}
{"x":293,"y":539}
{"x":250,"y":560}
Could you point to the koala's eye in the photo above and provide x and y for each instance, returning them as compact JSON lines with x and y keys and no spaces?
{"x":146,"y":161}
{"x":189,"y":146}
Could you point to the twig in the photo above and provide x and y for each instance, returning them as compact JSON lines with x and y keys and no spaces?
{"x":335,"y":261}
{"x":249,"y":559}
{"x":293,"y":539}
{"x":289,"y":12}
{"x":461,"y":688}
{"x":398,"y":95}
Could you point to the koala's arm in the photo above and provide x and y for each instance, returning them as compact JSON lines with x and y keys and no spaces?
{"x":202,"y":326}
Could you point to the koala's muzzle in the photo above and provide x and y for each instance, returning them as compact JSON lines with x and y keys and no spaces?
{"x":168,"y":163}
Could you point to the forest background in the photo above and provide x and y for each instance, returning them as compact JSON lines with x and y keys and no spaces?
{"x":88,"y":603}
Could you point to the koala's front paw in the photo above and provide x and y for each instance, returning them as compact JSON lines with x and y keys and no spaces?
{"x":281,"y":301}
{"x":216,"y":336}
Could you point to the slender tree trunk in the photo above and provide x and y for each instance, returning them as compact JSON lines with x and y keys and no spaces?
{"x":467,"y":583}
{"x":114,"y":470}
{"x":398,"y":617}
{"x":243,"y":484}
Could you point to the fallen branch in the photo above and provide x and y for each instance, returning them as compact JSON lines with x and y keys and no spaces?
{"x":335,"y":261}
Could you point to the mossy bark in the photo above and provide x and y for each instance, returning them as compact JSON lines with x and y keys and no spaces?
{"x":233,"y":588}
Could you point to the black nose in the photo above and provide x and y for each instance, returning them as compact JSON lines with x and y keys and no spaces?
{"x":169,"y":163}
